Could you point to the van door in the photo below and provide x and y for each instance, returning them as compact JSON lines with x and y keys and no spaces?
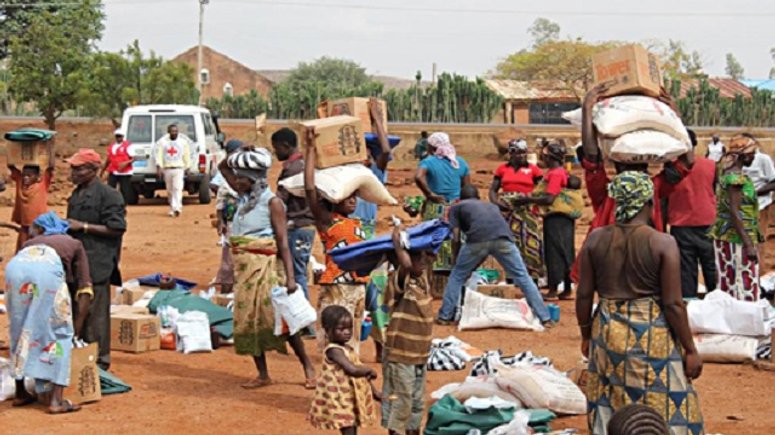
{"x":139,"y":131}
{"x":214,"y":151}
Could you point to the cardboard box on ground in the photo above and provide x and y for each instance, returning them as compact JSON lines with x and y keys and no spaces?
{"x":84,"y":376}
{"x":130,"y":295}
{"x":136,"y":333}
{"x":339,"y":140}
{"x":629,"y":69}
{"x":353,"y":106}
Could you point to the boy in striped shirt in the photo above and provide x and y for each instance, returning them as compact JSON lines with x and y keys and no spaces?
{"x":408,"y":339}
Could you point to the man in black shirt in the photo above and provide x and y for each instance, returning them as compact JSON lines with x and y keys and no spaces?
{"x":487,"y":233}
{"x":97,"y":218}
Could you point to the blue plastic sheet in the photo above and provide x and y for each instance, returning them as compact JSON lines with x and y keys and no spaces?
{"x":154,"y":280}
{"x":365,"y":256}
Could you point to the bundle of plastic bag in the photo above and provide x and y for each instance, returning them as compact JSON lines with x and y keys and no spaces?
{"x":725,"y":348}
{"x":294,"y":309}
{"x":339,"y":182}
{"x":720,"y":313}
{"x":479,"y":386}
{"x":193,"y":331}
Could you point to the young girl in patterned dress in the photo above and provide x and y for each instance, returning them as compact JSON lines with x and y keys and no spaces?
{"x":344,"y":398}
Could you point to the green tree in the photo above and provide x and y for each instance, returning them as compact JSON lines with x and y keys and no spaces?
{"x":569,"y":61}
{"x":15,"y":17}
{"x":48,"y":58}
{"x":677,"y":61}
{"x":117,"y":80}
{"x":734,"y":69}
{"x":544,"y":30}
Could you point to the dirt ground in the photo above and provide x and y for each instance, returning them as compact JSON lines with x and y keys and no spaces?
{"x":200,"y":393}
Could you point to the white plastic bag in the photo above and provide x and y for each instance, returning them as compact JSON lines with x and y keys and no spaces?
{"x":168,"y":316}
{"x":724,"y":348}
{"x":482,"y":311}
{"x":720,"y":313}
{"x":479,"y":386}
{"x":339,"y":182}
{"x":7,"y":382}
{"x":517,"y":426}
{"x":643,"y":146}
{"x":295,"y":309}
{"x":193,"y":330}
{"x":542,"y":387}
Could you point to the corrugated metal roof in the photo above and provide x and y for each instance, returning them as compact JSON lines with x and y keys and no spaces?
{"x":728,"y":88}
{"x":768,"y":84}
{"x":531,"y":90}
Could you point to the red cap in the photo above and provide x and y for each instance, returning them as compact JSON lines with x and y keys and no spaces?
{"x":85,"y":156}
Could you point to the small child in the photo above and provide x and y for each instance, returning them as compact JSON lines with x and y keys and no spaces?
{"x":31,"y":196}
{"x":408,"y":339}
{"x":344,"y":397}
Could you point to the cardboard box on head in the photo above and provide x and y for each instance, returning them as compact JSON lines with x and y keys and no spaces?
{"x":22,"y":154}
{"x":629,"y":69}
{"x":354,"y":106}
{"x":339,"y":140}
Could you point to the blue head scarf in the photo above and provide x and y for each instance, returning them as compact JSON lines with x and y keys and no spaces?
{"x":52,"y":224}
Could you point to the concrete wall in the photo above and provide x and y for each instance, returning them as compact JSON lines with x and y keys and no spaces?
{"x":471,"y":140}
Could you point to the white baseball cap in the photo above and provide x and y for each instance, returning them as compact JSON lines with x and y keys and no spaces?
{"x":119,"y":132}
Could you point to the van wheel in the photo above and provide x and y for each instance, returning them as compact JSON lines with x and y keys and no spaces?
{"x":130,"y":195}
{"x":149,"y":193}
{"x":204,"y":190}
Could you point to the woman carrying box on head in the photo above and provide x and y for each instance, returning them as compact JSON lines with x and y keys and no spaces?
{"x":336,"y":229}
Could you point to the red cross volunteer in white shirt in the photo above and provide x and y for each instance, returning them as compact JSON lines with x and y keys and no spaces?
{"x":173,"y":158}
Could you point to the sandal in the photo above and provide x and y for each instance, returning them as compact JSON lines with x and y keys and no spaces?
{"x":550,"y":296}
{"x":256,"y":383}
{"x":566,"y":296}
{"x":24,"y":401}
{"x":310,"y":384}
{"x":66,"y":407}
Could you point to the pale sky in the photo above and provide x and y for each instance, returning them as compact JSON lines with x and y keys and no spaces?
{"x":398,"y":37}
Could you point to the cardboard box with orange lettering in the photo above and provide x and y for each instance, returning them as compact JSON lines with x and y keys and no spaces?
{"x":339,"y":140}
{"x":630,"y":69}
{"x":354,"y":106}
{"x":134,"y":332}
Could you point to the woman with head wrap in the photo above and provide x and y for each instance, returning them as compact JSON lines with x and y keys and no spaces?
{"x":262,"y":261}
{"x":558,"y":210}
{"x":226,"y":200}
{"x":517,"y":179}
{"x":51,"y":230}
{"x":639,"y":344}
{"x":736,"y":230}
{"x":440,"y":176}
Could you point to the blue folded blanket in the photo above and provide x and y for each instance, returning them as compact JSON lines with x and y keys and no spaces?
{"x":365,"y":256}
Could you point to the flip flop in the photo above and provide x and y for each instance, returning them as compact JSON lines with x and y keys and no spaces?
{"x":256,"y":383}
{"x":67,"y":407}
{"x":566,"y":296}
{"x":311,"y":384}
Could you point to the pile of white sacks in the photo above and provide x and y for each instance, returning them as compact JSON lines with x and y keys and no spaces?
{"x":636,"y":129}
{"x":728,"y":330}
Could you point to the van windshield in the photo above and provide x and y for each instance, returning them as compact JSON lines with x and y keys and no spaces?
{"x":185,"y":125}
{"x":139,"y":129}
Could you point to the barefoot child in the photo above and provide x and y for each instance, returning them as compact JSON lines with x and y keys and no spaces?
{"x":408,"y":340}
{"x":337,"y":287}
{"x":344,"y":398}
{"x":31,"y":194}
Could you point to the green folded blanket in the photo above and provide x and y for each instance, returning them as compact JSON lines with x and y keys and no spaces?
{"x":220,"y":318}
{"x":110,"y":384}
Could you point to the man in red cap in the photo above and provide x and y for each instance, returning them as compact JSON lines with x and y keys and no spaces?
{"x":97,"y":218}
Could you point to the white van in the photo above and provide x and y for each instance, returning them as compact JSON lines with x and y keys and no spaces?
{"x":144,"y":125}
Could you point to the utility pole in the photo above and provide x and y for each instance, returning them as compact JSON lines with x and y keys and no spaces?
{"x":202,"y":4}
